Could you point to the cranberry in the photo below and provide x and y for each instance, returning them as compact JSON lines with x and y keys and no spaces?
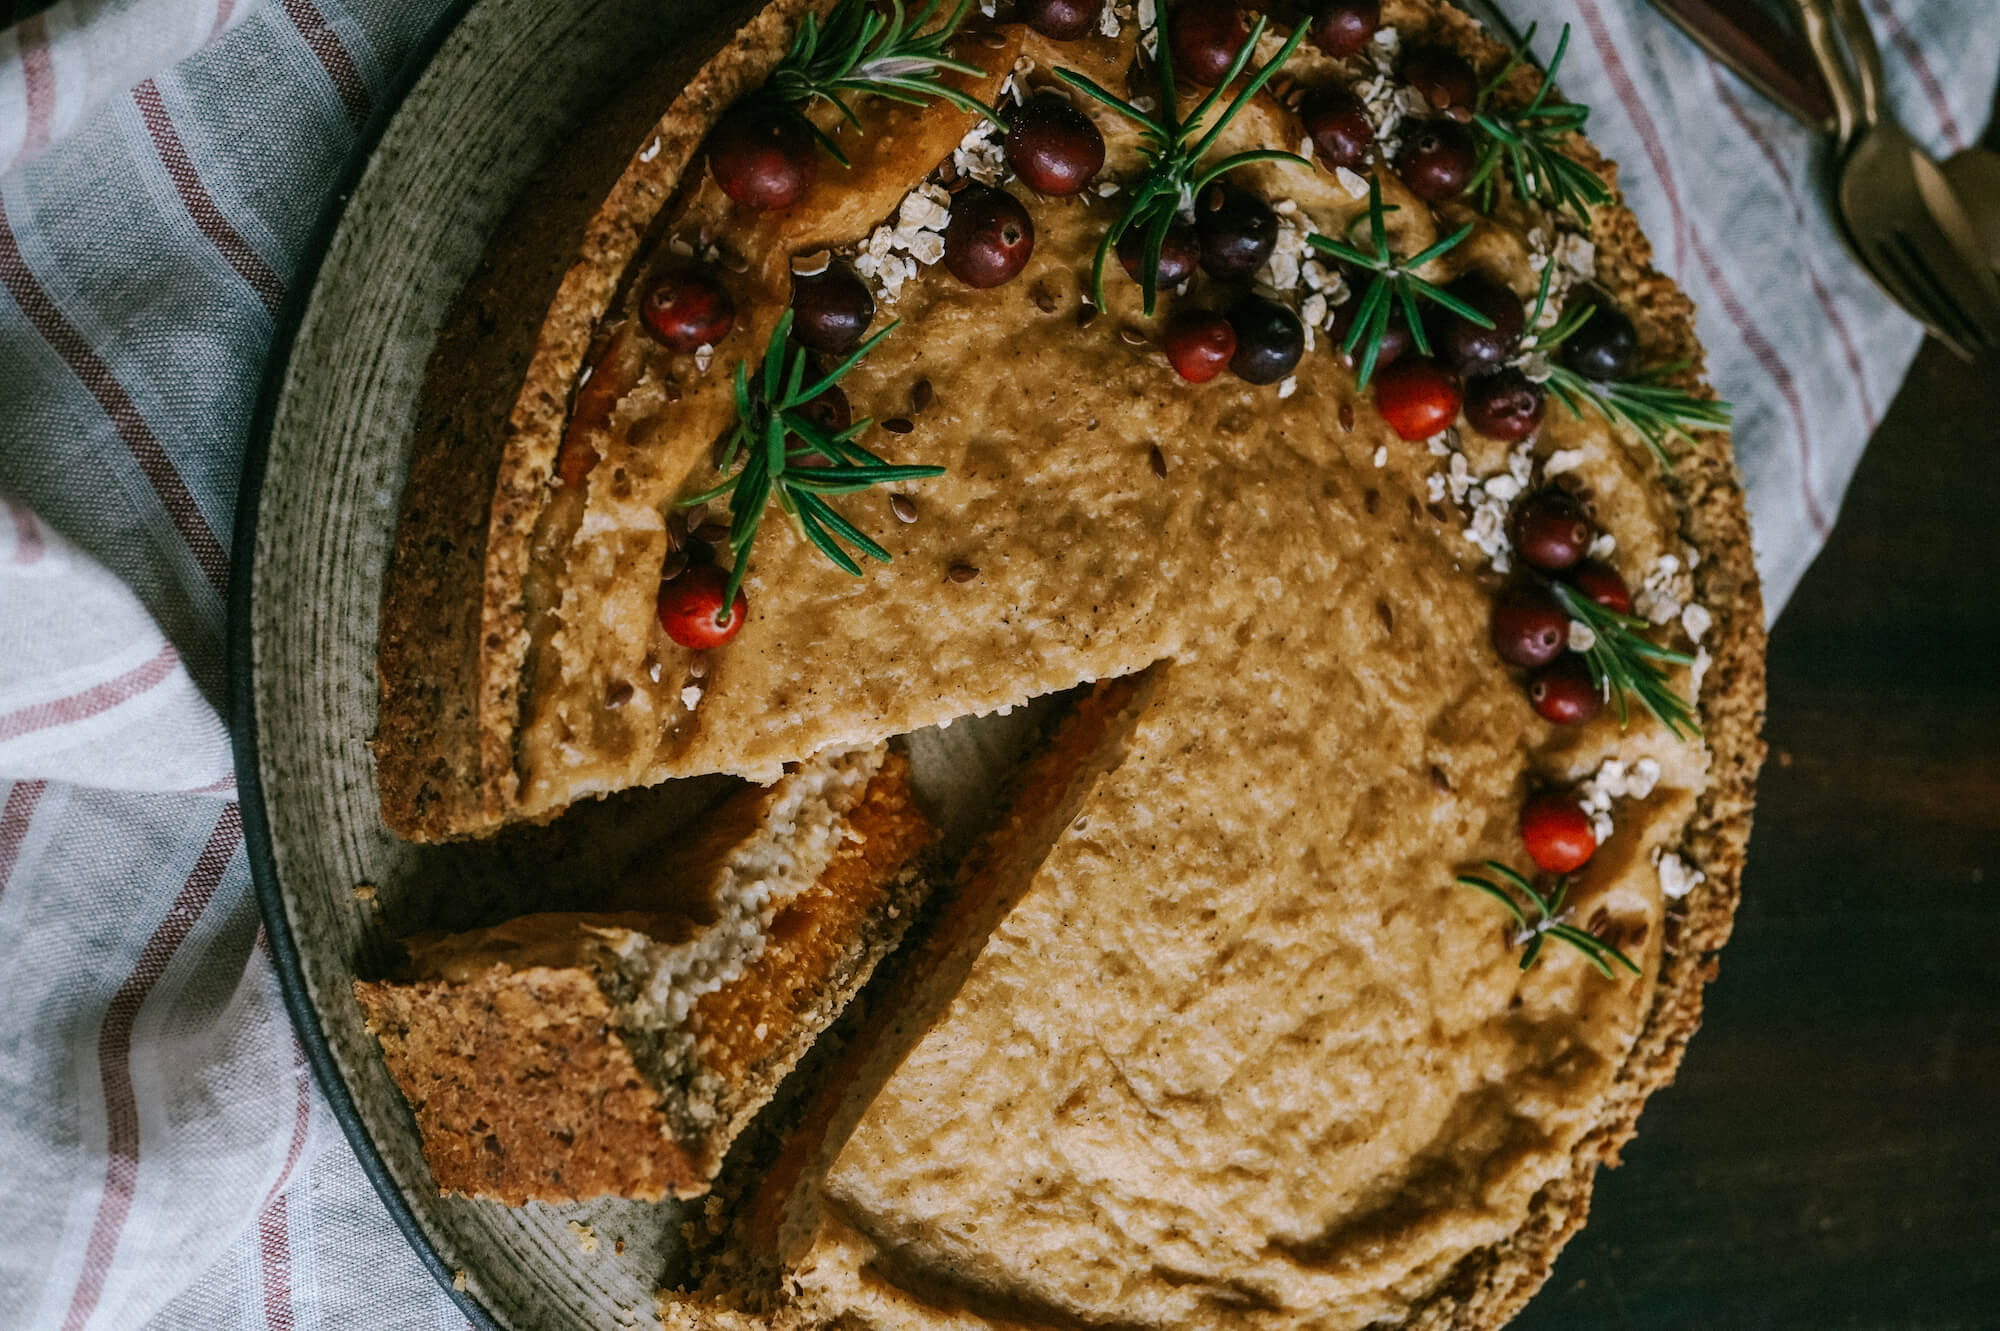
{"x":831,"y":309}
{"x":1417,"y":397}
{"x":1269,"y":340}
{"x":1437,"y":160}
{"x":1204,"y":37}
{"x":1053,"y":147}
{"x":688,"y":310}
{"x":831,"y":413}
{"x":1395,"y":334}
{"x":1529,"y":627}
{"x":989,"y":237}
{"x":1179,"y":252}
{"x":1339,"y":126}
{"x":1342,"y":27}
{"x":1238,"y":231}
{"x":1506,"y":406}
{"x":1557,"y":833}
{"x":692,"y":612}
{"x":1063,"y":20}
{"x":1444,"y":77}
{"x":1607,"y":344}
{"x":1550,"y":532}
{"x":1464,"y":343}
{"x":1564,"y":692}
{"x":1601,"y":583}
{"x":762,"y":154}
{"x":1200,"y":343}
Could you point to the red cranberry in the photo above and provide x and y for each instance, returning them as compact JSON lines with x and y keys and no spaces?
{"x":1529,"y":627}
{"x":989,"y":237}
{"x":1204,"y":37}
{"x":692,"y":612}
{"x":1342,"y":27}
{"x":1549,"y":531}
{"x":1563,"y":691}
{"x":831,"y":309}
{"x":1437,"y":160}
{"x":1557,"y":832}
{"x":831,"y":412}
{"x":1465,"y":344}
{"x":1601,"y":583}
{"x":688,"y":310}
{"x":1444,"y":77}
{"x":1269,"y":340}
{"x":1238,"y":231}
{"x":1506,"y":406}
{"x":1607,"y":344}
{"x":1417,"y":397}
{"x":1395,"y":334}
{"x":1179,"y":252}
{"x":762,"y":154}
{"x":1053,"y":147}
{"x":1200,"y":343}
{"x":1339,"y":126}
{"x":1062,"y":20}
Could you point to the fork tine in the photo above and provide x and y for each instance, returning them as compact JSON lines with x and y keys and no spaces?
{"x":1936,"y":296}
{"x":1892,"y":271}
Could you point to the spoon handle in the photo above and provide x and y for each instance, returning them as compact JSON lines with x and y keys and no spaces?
{"x":1819,"y":24}
{"x":1867,"y":56}
{"x":1749,"y":42}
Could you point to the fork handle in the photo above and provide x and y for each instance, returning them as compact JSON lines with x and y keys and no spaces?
{"x":1867,"y":57}
{"x":1818,"y":20}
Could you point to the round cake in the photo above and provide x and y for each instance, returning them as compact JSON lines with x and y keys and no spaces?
{"x":1292,"y":393}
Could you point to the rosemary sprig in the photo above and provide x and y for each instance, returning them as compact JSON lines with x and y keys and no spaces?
{"x":1394,"y":283}
{"x":1624,"y":665}
{"x":1175,"y":147}
{"x":860,"y":48}
{"x":1547,"y":922}
{"x":1528,"y":143}
{"x":774,"y":436}
{"x":1648,"y":404}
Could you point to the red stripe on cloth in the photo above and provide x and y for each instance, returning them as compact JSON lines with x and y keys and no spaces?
{"x":274,"y":1246}
{"x":1913,"y":55}
{"x":1642,"y":121}
{"x":236,"y":251}
{"x":222,"y":13}
{"x":137,"y":436}
{"x":38,"y":78}
{"x":15,"y":816}
{"x":325,"y":43}
{"x":114,"y":1055}
{"x":93,"y":701}
{"x":28,"y":544}
{"x":1756,"y":135}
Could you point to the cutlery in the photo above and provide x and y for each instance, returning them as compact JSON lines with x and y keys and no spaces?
{"x":1745,"y":40}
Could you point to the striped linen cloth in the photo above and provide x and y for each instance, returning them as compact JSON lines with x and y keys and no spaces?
{"x":164,"y":1157}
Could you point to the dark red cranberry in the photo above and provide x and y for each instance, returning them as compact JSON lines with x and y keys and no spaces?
{"x":1180,"y":251}
{"x":989,"y":237}
{"x":1444,"y":77}
{"x":1557,"y":832}
{"x":831,"y":412}
{"x":1269,"y":340}
{"x":1063,"y":20}
{"x":1506,"y":406}
{"x":1550,"y":531}
{"x":1529,"y":627}
{"x":1237,"y":229}
{"x":1462,"y":342}
{"x":1607,"y":344}
{"x":688,"y":310}
{"x":1601,"y":583}
{"x":762,"y":154}
{"x":831,"y":309}
{"x":1200,"y":343}
{"x":1342,"y":27}
{"x":1417,"y":396}
{"x":1053,"y":147}
{"x":1437,"y":160}
{"x":692,"y":612}
{"x":1339,"y":126}
{"x":1395,"y":334}
{"x":1204,"y":37}
{"x":1563,"y":691}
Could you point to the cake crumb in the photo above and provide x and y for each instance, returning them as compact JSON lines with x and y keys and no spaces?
{"x":365,"y":893}
{"x":458,"y":1280}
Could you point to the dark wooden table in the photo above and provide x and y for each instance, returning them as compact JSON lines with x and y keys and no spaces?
{"x":1830,"y":1154}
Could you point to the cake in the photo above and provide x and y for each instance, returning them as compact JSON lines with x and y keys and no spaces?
{"x":1367,"y":484}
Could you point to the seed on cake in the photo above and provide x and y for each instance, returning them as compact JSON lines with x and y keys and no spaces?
{"x":904,"y":507}
{"x":1200,"y":343}
{"x":618,"y":694}
{"x":1529,"y":628}
{"x":674,"y":564}
{"x":1131,"y":336}
{"x":1052,"y":146}
{"x":1557,"y":832}
{"x":1180,"y":251}
{"x":1338,"y":124}
{"x":1549,"y":531}
{"x":1437,"y":160}
{"x":1341,"y":28}
{"x":688,"y":310}
{"x":989,"y":238}
{"x":1086,"y":314}
{"x":1237,"y":231}
{"x":1444,"y":77}
{"x":763,"y":154}
{"x":693,"y":611}
{"x":712,"y":533}
{"x":899,"y":425}
{"x":831,"y":309}
{"x":921,"y":395}
{"x":1158,"y":461}
{"x":1347,"y":416}
{"x":1564,"y":692}
{"x":698,"y":666}
{"x":1204,"y":38}
{"x":1045,"y":298}
{"x":962,"y":573}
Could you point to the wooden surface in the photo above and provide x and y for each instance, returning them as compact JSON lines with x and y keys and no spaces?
{"x":1830,"y":1154}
